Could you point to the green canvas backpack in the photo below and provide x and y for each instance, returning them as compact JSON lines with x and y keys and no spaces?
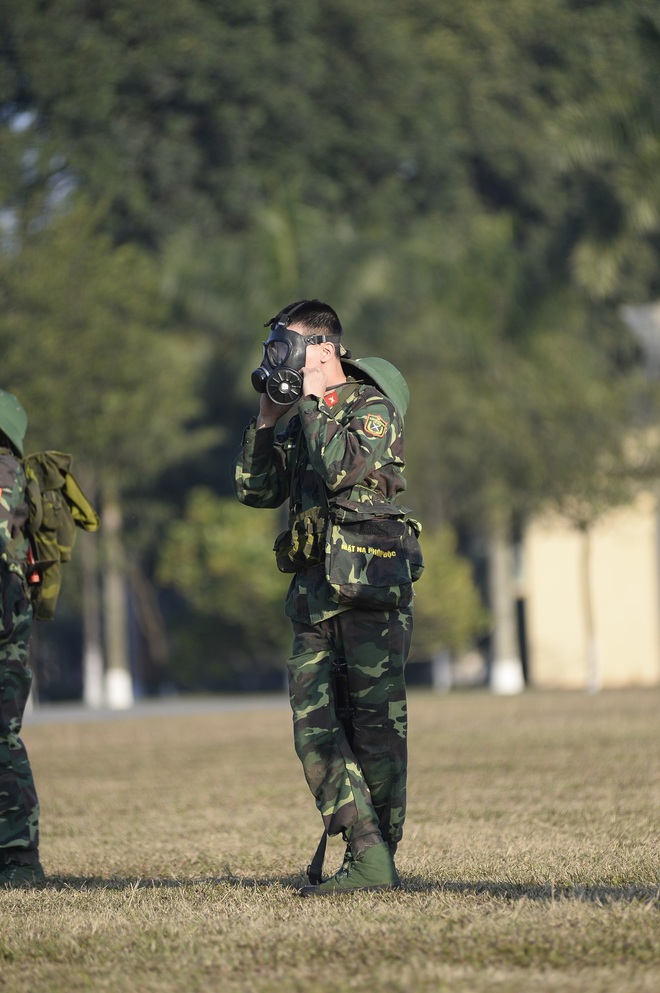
{"x":57,"y":505}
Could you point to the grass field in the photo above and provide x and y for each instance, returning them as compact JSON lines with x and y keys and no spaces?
{"x":174,"y":847}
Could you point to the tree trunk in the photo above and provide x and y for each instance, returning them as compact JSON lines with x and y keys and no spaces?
{"x":93,"y":689}
{"x":441,"y":674}
{"x":152,"y":659}
{"x":118,"y":682}
{"x":593,"y":668}
{"x":506,"y":674}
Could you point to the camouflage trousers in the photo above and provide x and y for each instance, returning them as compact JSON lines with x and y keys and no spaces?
{"x":358,"y":778}
{"x":19,"y":808}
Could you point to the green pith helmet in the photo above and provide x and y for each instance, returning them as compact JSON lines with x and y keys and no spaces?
{"x":384,"y":375}
{"x":13,"y":420}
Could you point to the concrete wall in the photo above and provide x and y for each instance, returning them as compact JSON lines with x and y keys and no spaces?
{"x":624,"y":572}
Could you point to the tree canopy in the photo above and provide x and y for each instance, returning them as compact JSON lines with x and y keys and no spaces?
{"x":474,"y":187}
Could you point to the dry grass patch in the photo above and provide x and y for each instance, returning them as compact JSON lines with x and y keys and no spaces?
{"x":175,"y":847}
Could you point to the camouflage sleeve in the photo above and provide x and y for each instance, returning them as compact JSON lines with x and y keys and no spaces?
{"x":344,"y":454}
{"x":261,"y":473}
{"x":13,"y":507}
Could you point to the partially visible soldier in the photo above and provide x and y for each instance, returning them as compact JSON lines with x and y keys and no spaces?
{"x":341,"y":454}
{"x":19,"y":808}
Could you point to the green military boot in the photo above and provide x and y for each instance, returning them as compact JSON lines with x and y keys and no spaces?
{"x":372,"y":869}
{"x":14,"y":875}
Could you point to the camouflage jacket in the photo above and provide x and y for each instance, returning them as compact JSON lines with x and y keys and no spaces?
{"x":351,"y":443}
{"x":13,"y":511}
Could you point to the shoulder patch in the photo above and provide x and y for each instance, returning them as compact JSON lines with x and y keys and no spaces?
{"x":375,"y":426}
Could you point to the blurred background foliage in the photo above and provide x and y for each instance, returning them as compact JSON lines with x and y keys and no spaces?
{"x":475,"y":188}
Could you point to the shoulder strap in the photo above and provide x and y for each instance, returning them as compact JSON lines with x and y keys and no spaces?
{"x":315,"y":867}
{"x":294,"y":467}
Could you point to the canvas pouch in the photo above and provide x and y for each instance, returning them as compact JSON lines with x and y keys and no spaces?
{"x":372,"y":562}
{"x":302,"y":544}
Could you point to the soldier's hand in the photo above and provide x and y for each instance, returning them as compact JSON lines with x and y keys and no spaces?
{"x":314,"y":381}
{"x":270,"y":412}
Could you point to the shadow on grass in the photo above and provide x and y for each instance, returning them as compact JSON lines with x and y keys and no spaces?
{"x":85,"y":883}
{"x":542,"y":892}
{"x":506,"y":892}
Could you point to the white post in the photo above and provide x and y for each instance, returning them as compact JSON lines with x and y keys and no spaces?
{"x":506,"y":675}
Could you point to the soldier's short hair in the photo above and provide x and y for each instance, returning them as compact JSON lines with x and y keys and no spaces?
{"x":314,"y":315}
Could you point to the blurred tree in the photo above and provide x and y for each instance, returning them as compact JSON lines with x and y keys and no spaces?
{"x":199,"y":114}
{"x":605,"y":141}
{"x":86,"y":347}
{"x":507,"y":417}
{"x":219,"y":557}
{"x":449,"y":613}
{"x":474,"y":186}
{"x":197,"y":111}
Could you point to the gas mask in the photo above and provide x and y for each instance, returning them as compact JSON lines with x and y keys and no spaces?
{"x":285,"y":351}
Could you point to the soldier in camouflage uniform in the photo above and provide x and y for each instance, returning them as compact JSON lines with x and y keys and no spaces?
{"x":342,"y":451}
{"x":19,"y":808}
